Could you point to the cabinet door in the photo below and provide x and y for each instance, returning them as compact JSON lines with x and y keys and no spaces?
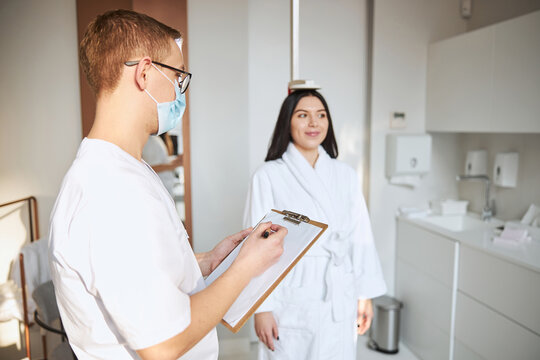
{"x":428,"y":252}
{"x":509,"y":289}
{"x":459,"y":86}
{"x":426,"y":313}
{"x":424,"y":278}
{"x":490,"y":335}
{"x":516,"y":75}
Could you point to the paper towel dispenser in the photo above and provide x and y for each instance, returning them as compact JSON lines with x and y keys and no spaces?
{"x":407,"y":154}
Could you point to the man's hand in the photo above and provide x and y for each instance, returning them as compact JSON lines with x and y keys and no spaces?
{"x":209,"y":305}
{"x":258,"y":252}
{"x":266,"y":328}
{"x":210,"y":260}
{"x":365,"y":315}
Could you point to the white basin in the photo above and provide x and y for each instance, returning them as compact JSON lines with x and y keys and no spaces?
{"x":458,"y":223}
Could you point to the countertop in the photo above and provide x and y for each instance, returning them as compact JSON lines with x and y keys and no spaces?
{"x":526,"y":254}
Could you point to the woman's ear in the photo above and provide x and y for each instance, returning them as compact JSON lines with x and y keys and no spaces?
{"x":141,"y":72}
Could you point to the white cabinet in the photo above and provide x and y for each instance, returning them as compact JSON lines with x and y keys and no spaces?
{"x":459,"y":72}
{"x":463,"y":303}
{"x":510,"y":289}
{"x":425,"y":271}
{"x":497,"y":314}
{"x":516,"y":74}
{"x":487,"y":80}
{"x":489,"y":335}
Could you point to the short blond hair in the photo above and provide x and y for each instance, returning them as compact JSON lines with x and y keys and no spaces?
{"x":116,"y":37}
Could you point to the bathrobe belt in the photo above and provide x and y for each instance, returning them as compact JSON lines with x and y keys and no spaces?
{"x":336,"y":247}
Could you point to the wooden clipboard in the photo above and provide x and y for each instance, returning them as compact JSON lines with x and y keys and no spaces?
{"x":303,"y":233}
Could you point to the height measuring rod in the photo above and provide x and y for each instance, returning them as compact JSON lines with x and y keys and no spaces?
{"x":295,"y":20}
{"x":296,"y":83}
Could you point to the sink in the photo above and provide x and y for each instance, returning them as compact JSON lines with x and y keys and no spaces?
{"x":458,"y":223}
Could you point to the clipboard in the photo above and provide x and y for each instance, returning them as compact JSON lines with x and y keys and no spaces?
{"x":302,"y":234}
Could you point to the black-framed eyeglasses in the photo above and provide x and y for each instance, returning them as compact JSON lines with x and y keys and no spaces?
{"x":183,"y":79}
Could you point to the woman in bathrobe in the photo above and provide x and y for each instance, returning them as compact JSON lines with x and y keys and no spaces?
{"x":325,"y":301}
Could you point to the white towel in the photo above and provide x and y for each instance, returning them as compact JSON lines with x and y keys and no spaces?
{"x":10,"y":302}
{"x":414,"y":211}
{"x":36,"y":269}
{"x":512,"y":236}
{"x":531,"y":215}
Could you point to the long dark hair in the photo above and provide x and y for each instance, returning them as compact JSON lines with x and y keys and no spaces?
{"x":282,"y":132}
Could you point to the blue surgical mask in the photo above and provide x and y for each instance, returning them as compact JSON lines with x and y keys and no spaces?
{"x":169,"y":113}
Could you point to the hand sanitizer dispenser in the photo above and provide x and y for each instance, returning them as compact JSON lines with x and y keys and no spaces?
{"x":505,"y":169}
{"x":407,"y":154}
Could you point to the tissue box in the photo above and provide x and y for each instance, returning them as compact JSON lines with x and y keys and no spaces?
{"x":450,"y":207}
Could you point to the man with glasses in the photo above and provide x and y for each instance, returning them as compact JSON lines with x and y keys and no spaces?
{"x":128,"y":284}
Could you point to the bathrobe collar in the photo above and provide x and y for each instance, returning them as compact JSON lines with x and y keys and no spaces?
{"x":309,"y":178}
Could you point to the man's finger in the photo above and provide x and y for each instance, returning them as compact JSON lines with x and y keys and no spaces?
{"x":262,"y":228}
{"x":276,"y":227}
{"x":241,"y":235}
{"x":245,"y":232}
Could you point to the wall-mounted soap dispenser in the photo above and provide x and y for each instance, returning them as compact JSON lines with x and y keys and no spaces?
{"x":476,"y":162}
{"x":505,"y":169}
{"x":407,"y":154}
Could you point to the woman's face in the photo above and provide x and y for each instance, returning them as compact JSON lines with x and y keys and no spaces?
{"x":309,"y":123}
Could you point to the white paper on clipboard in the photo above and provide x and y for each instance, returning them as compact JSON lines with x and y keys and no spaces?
{"x":298,"y":238}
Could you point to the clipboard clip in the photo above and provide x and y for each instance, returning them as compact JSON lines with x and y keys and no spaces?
{"x":294,"y":217}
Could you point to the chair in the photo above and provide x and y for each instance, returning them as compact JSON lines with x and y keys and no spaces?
{"x":45,"y":316}
{"x":20,"y":278}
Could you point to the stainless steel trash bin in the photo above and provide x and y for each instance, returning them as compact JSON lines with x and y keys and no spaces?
{"x":384,"y":331}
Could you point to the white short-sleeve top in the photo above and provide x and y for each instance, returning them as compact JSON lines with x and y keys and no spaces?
{"x":120,"y":258}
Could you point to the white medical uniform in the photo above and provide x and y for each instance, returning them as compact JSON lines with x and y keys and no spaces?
{"x":155,"y":153}
{"x":120,"y":259}
{"x":315,"y":306}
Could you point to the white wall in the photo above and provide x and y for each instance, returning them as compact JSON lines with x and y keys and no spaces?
{"x":402,"y":32}
{"x":40,"y":119}
{"x":218,"y":51}
{"x":334,"y":54}
{"x":40,"y":124}
{"x":269,"y":52}
{"x":39,"y":97}
{"x":218,"y":111}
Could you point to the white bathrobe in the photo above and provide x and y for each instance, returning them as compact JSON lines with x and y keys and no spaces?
{"x":315,"y":306}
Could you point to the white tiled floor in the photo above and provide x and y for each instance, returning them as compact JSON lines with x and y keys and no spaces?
{"x":364,"y":353}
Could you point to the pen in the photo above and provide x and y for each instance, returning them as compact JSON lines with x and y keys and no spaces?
{"x":266,"y":234}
